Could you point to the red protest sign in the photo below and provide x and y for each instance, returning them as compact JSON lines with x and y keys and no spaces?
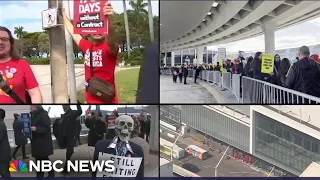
{"x":89,"y":18}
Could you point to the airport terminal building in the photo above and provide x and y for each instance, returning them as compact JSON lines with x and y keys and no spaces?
{"x":285,"y":136}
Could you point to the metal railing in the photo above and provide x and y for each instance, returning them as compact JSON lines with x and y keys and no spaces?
{"x":253,"y":91}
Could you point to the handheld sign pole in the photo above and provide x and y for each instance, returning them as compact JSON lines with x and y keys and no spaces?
{"x":26,"y":119}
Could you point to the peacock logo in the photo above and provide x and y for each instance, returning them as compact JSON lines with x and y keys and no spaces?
{"x":18,"y":166}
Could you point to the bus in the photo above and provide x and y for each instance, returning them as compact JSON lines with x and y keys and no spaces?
{"x":165,"y":148}
{"x":197,"y":152}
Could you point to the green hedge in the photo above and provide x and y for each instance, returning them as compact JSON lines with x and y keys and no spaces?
{"x":136,"y":57}
{"x":44,"y":61}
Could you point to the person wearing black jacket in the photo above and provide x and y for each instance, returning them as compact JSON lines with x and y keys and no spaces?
{"x":185,"y":73}
{"x":41,"y":142}
{"x":304,"y":75}
{"x":69,"y":122}
{"x":5,"y":150}
{"x":147,"y":125}
{"x":57,"y":132}
{"x":19,"y":137}
{"x":93,"y":136}
{"x":198,"y":69}
{"x":247,"y":68}
{"x":78,"y":132}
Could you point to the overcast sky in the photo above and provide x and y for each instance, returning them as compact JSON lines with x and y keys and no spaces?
{"x":56,"y":110}
{"x":298,"y":35}
{"x":28,"y":13}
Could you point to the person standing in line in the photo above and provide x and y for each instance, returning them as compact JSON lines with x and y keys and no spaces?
{"x":93,"y":135}
{"x":136,"y":127}
{"x":19,"y":137}
{"x":5,"y":150}
{"x":147,"y":126}
{"x":41,"y":142}
{"x":185,"y":73}
{"x":180,"y":73}
{"x":142,"y":119}
{"x":69,"y":122}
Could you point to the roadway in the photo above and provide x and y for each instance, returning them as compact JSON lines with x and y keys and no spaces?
{"x":227,"y":168}
{"x":180,"y":93}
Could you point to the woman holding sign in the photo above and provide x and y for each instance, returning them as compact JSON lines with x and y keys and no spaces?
{"x":101,"y":51}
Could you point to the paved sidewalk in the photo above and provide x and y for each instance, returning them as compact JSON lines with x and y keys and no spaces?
{"x":180,"y":93}
{"x":43,"y":75}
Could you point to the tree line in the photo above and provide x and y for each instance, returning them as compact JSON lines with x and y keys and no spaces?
{"x":36,"y":45}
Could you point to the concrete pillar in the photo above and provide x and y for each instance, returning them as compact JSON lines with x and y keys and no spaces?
{"x":200,"y":55}
{"x":165,"y":59}
{"x":172,"y":58}
{"x":58,"y":60}
{"x":181,"y":55}
{"x":269,"y":38}
{"x":154,"y":127}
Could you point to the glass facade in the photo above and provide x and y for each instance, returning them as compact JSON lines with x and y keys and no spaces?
{"x":205,"y":55}
{"x":216,"y":125}
{"x":177,"y":58}
{"x":192,"y":55}
{"x":170,"y":114}
{"x":210,"y":56}
{"x":284,"y":144}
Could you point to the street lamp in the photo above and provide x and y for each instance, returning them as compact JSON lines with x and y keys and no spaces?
{"x":270,"y":172}
{"x":216,"y":168}
{"x":174,"y":143}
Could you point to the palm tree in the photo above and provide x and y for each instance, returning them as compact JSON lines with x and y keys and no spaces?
{"x":19,"y":32}
{"x":150,"y":17}
{"x":126,"y":24}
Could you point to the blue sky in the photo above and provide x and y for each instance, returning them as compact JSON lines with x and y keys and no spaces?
{"x":28,"y":13}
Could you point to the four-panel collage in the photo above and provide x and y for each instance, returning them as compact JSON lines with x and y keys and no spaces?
{"x":159,"y":89}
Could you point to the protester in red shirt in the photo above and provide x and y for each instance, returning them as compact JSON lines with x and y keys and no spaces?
{"x":104,"y":54}
{"x":16,"y":72}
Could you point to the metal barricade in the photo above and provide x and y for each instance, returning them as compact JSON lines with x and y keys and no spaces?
{"x":236,"y":86}
{"x":210,"y":76}
{"x":226,"y":80}
{"x":260,"y":92}
{"x":217,"y":77}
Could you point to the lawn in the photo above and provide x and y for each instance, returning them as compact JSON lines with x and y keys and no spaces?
{"x":127,"y":84}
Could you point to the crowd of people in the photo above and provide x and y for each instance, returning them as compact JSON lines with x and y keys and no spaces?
{"x":95,"y":121}
{"x":67,"y":131}
{"x":301,"y":75}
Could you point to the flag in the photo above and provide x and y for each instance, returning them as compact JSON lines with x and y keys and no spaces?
{"x":88,"y":110}
{"x":98,"y":108}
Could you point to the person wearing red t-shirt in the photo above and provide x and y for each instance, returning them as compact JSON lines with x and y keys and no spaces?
{"x":104,"y":50}
{"x":16,"y":72}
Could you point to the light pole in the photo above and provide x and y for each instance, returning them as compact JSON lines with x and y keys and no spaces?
{"x":126,"y":25}
{"x":70,"y":62}
{"x":216,"y":168}
{"x":150,"y":17}
{"x":174,"y":143}
{"x":270,"y":172}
